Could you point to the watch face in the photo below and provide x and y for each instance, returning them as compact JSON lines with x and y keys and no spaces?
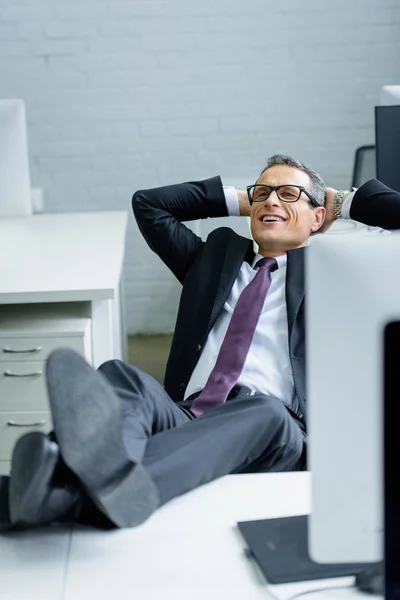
{"x":392,"y":460}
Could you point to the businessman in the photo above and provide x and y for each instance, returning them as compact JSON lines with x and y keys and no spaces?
{"x":234,"y":396}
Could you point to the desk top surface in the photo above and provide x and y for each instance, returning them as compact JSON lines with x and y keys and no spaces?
{"x":61,"y":257}
{"x":190,"y":548}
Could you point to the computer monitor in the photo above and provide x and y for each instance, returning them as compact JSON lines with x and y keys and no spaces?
{"x":352,"y":293}
{"x":387,"y":136}
{"x":15,"y":188}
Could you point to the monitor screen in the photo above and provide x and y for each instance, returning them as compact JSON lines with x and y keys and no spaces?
{"x":387,"y":134}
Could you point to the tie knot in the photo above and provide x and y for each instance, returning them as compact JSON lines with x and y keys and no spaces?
{"x":270,"y":263}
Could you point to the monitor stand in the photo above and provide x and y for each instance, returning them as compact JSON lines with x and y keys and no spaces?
{"x":280,"y":547}
{"x":371,"y":580}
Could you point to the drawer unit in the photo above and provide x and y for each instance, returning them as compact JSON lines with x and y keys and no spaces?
{"x":15,"y":424}
{"x":21,"y":348}
{"x":28,"y":334}
{"x":23,"y":386}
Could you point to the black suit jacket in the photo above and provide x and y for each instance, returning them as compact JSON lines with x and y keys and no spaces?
{"x":207,"y":270}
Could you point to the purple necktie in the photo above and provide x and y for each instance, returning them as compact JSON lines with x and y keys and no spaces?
{"x":237,"y":341}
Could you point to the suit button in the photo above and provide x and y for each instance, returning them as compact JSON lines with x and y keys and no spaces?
{"x":199,"y":347}
{"x":182,"y":386}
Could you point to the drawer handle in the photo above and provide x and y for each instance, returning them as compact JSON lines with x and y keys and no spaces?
{"x":15,"y":424}
{"x":7,"y":350}
{"x":34,"y":374}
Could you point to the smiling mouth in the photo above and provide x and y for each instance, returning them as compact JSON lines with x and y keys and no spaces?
{"x":268,"y":220}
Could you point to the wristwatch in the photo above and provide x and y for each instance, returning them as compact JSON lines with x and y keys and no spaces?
{"x":337,"y":203}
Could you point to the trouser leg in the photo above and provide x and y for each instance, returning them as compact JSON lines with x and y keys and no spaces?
{"x":102,"y":424}
{"x":232,"y":438}
{"x":146,"y":409}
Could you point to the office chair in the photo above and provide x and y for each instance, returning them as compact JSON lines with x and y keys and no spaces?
{"x":364,"y":165}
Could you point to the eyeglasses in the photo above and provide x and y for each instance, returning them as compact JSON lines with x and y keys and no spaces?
{"x":286,"y":193}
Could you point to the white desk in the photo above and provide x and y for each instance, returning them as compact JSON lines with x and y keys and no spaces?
{"x":190,"y":548}
{"x":73,"y":257}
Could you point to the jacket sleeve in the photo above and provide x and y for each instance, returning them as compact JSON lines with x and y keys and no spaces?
{"x":160,"y":213}
{"x":377,"y":205}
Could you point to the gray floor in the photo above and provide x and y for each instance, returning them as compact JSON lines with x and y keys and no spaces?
{"x":150,"y":353}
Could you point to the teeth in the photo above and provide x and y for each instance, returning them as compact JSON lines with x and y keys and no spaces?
{"x":278,"y":219}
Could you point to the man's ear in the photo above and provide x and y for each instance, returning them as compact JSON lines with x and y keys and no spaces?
{"x":318,"y":218}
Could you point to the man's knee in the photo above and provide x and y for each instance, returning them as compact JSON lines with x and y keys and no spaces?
{"x":117,"y":371}
{"x":117,"y":366}
{"x":122,"y":374}
{"x":110,"y":366}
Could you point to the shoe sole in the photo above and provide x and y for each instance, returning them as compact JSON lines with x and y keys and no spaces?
{"x":87,"y":424}
{"x":34,"y":460}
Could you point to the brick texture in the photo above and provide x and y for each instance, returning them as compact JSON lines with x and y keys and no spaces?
{"x":126,"y":94}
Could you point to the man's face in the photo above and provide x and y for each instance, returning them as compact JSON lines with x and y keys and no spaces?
{"x":296,"y":220}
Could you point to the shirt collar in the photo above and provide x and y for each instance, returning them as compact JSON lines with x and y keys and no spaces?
{"x":281,"y":260}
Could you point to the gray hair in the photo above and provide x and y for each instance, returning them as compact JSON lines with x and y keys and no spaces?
{"x":317,"y":187}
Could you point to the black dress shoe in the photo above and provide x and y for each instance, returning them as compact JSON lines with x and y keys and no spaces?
{"x":87,"y":424}
{"x":5,"y":521}
{"x":34,"y":499}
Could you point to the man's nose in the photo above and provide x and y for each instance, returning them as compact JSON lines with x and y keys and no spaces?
{"x":273,"y":199}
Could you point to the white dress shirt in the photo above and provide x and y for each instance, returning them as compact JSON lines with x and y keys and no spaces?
{"x":267,"y":368}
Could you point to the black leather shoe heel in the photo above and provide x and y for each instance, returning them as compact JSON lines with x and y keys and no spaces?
{"x":33,"y":499}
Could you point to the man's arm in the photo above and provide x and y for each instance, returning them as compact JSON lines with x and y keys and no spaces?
{"x":244,"y":204}
{"x":372,"y":204}
{"x":159,"y":214}
{"x":377,"y":205}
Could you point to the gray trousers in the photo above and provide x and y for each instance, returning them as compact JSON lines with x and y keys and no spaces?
{"x":247,"y":434}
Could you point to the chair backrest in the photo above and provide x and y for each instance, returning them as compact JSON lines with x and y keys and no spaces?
{"x":364,"y":165}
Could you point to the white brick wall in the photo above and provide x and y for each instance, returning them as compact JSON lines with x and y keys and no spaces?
{"x":123,"y":94}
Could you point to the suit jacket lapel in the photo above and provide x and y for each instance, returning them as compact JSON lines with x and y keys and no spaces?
{"x":295,"y":283}
{"x":238,"y":249}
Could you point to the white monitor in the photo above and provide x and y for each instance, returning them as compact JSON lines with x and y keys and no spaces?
{"x":390,"y":95}
{"x":352,"y":292}
{"x":15,"y":187}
